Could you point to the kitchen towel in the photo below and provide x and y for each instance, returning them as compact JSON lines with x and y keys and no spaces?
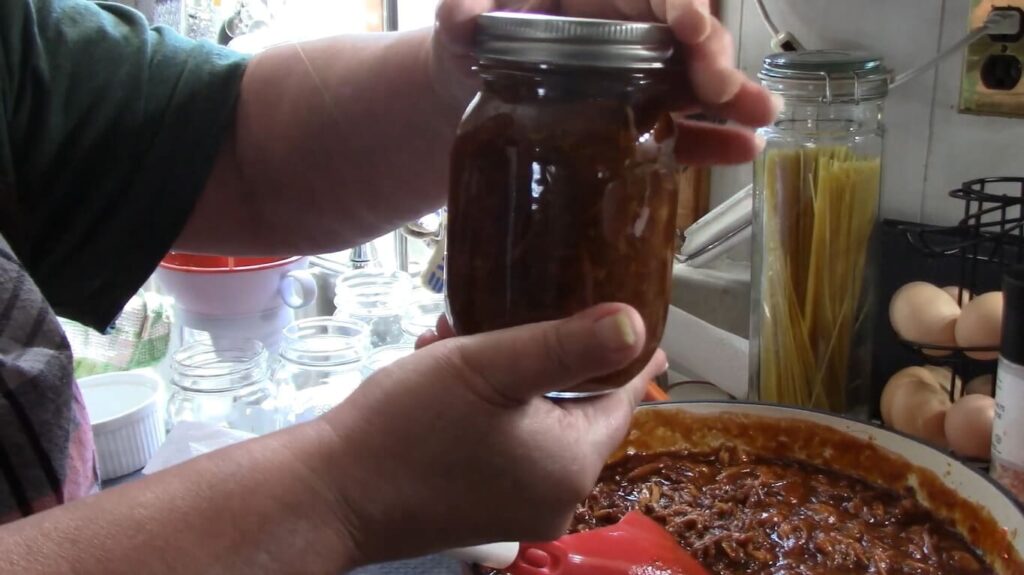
{"x":140,"y":338}
{"x":706,"y":352}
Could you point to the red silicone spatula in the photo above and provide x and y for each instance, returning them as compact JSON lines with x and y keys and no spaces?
{"x":636,"y":545}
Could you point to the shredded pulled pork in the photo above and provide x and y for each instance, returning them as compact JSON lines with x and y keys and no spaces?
{"x":740,"y":514}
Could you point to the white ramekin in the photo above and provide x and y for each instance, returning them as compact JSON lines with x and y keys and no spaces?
{"x":127,"y":419}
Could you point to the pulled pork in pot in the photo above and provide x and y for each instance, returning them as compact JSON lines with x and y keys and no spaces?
{"x":744,"y":514}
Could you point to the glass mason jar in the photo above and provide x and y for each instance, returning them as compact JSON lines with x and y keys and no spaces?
{"x":385,"y":356}
{"x":421,"y":315}
{"x":562,"y":178}
{"x":816,"y":194}
{"x":377,"y":298}
{"x":228,"y":386}
{"x":319,"y":366}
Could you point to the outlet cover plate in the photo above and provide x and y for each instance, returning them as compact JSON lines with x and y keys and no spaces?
{"x":975,"y":98}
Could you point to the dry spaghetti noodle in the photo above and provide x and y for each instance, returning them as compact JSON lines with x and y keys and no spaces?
{"x":820,"y":207}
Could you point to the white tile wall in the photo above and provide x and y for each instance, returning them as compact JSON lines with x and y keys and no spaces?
{"x":973,"y":146}
{"x":415,"y":13}
{"x":930,"y":148}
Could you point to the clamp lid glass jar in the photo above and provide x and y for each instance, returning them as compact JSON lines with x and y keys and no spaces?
{"x":563,"y":190}
{"x":816,"y":194}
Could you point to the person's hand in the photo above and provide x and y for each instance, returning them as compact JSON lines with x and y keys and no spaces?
{"x":456,"y":445}
{"x":714,"y":84}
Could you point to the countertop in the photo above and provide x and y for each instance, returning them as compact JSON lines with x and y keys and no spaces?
{"x":433,"y":565}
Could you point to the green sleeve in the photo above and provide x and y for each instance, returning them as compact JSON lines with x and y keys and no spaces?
{"x":109,"y":132}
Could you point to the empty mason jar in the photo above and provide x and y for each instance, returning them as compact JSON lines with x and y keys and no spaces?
{"x":228,"y":386}
{"x":385,"y":356}
{"x":377,"y":298}
{"x":422,"y":314}
{"x":319,"y":366}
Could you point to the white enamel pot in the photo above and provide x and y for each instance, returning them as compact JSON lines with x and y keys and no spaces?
{"x":986,"y":514}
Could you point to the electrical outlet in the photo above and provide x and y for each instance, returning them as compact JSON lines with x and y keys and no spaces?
{"x":992,"y":82}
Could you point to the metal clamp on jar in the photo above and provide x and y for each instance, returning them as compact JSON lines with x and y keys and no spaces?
{"x":816,"y":194}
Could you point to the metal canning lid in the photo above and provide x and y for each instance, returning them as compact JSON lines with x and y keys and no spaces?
{"x":828,"y":76}
{"x":560,"y":41}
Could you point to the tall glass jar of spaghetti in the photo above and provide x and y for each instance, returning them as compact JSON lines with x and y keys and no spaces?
{"x":563,"y":190}
{"x":816,"y":195}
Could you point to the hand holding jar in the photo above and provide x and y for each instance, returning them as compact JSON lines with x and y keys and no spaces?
{"x":454,"y":445}
{"x":563,"y":174}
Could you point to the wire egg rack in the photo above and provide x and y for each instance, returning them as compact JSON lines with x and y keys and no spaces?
{"x":987,"y":239}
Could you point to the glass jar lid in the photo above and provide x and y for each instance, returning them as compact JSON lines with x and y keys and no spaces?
{"x":826,"y":76}
{"x":586,"y":42}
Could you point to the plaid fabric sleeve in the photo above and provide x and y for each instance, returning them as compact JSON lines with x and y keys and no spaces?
{"x":46,"y":451}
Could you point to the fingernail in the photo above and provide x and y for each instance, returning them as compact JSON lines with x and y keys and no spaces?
{"x":717,"y":85}
{"x":616,"y":331}
{"x":702,"y":23}
{"x":691,"y":22}
{"x":469,"y":9}
{"x":778,"y":103}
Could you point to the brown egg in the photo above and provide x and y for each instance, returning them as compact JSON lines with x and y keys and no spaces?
{"x":914,"y":403}
{"x":921,"y":413}
{"x":983,"y":385}
{"x":965,"y":295}
{"x":944,"y":376}
{"x":968,"y":426}
{"x":895,"y":387}
{"x":980,"y":324}
{"x":924,"y":314}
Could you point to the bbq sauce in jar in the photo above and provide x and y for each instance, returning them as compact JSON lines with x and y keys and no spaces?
{"x":563,"y":191}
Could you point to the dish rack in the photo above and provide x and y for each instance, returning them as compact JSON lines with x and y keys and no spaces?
{"x":989,"y":237}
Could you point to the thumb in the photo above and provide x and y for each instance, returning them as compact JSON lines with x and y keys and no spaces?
{"x":608,"y":416}
{"x":520,"y":363}
{"x":456,"y":19}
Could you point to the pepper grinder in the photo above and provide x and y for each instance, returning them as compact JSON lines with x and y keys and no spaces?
{"x":1008,"y":426}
